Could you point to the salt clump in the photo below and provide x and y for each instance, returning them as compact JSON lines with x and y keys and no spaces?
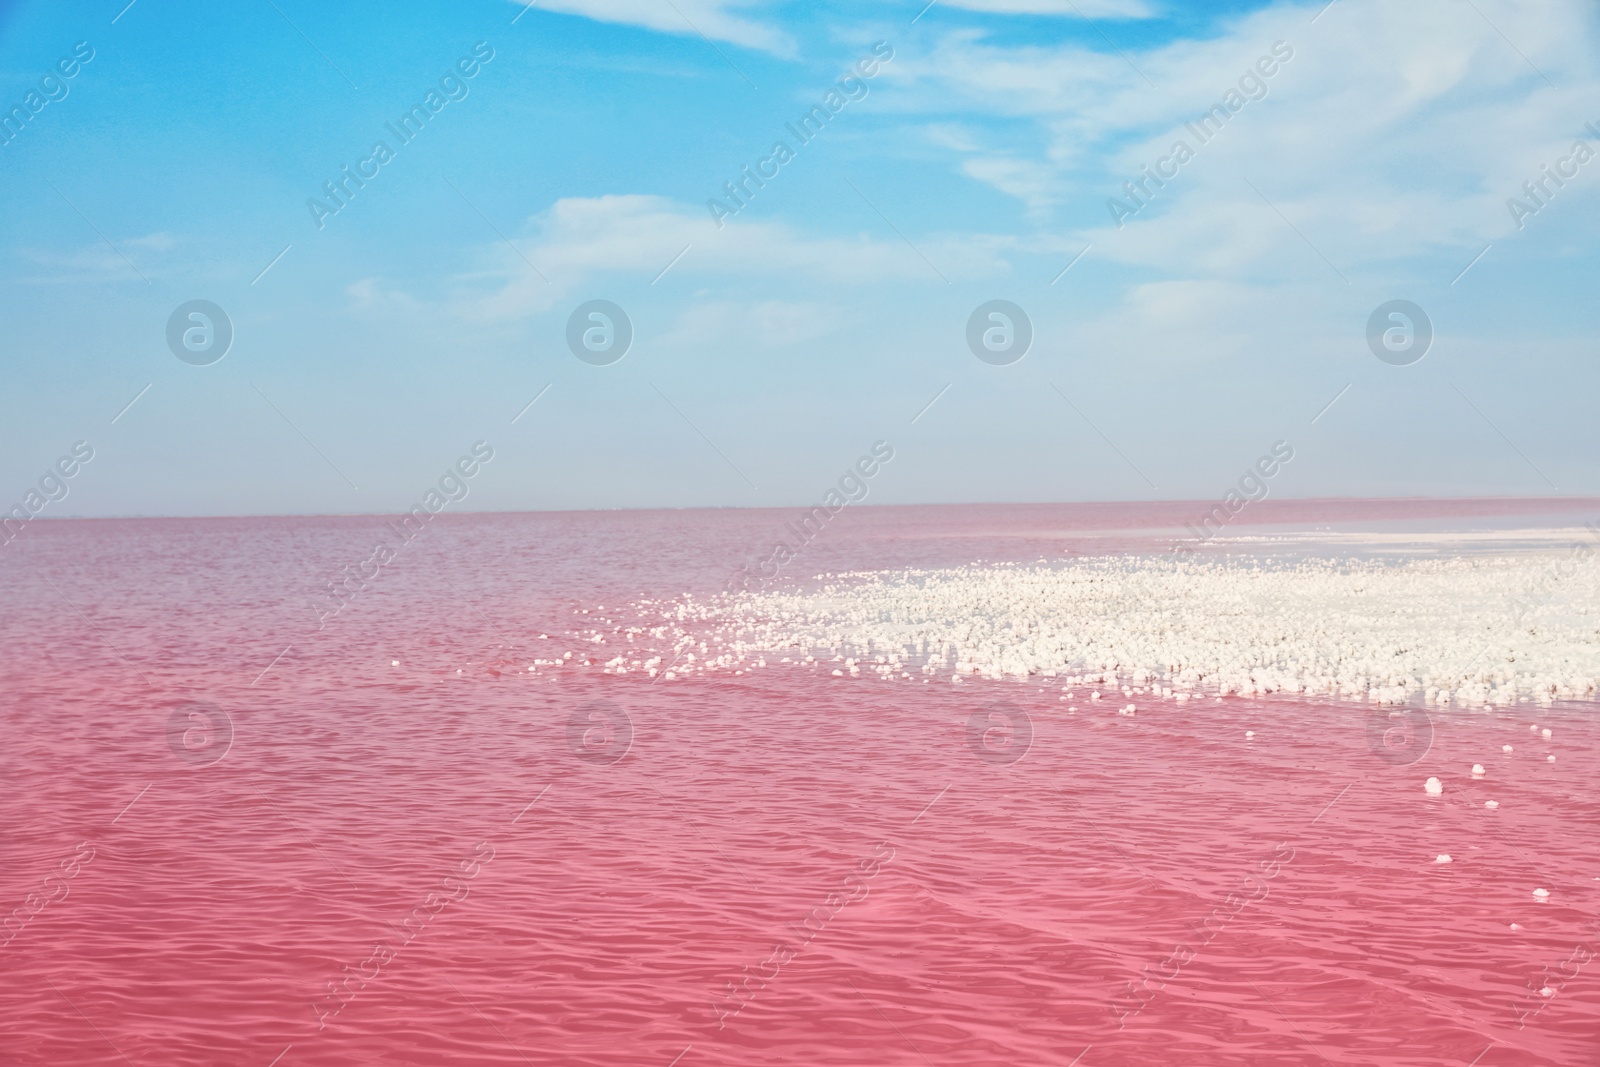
{"x":1385,"y":631}
{"x":1433,"y":786}
{"x":1478,"y":771}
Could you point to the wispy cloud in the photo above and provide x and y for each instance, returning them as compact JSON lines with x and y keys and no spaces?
{"x":720,"y":20}
{"x":1093,"y":9}
{"x":579,"y":238}
{"x":96,"y":262}
{"x":1395,"y":130}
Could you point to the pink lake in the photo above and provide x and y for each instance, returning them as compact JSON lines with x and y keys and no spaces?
{"x":233,"y":837}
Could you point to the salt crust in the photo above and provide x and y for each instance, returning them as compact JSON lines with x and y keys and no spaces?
{"x":1473,"y":631}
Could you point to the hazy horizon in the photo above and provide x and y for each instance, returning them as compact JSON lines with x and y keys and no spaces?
{"x":1531,"y":506}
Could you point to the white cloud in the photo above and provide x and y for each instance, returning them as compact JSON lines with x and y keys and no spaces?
{"x":160,"y":241}
{"x":579,"y":238}
{"x":1028,"y":181}
{"x":1093,"y":9}
{"x":1394,"y":131}
{"x":372,"y":296}
{"x":719,"y":20}
{"x":953,"y":136}
{"x":98,"y":262}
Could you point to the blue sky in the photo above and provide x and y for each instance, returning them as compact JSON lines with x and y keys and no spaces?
{"x":976,"y":164}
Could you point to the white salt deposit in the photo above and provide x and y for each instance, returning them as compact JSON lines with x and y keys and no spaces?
{"x":1470,"y":631}
{"x":1433,"y":787}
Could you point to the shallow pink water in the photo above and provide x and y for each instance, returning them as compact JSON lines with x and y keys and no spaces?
{"x":437,"y":845}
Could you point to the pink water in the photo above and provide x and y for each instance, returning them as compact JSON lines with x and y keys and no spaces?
{"x":430,"y":839}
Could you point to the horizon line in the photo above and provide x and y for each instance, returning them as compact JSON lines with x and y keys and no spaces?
{"x":1253,"y":505}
